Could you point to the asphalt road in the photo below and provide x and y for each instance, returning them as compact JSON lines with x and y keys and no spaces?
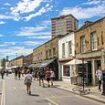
{"x":14,"y":93}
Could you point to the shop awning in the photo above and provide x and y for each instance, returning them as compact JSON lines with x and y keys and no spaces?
{"x":14,"y":67}
{"x":46,"y":62}
{"x":75,"y":61}
{"x":35,"y":65}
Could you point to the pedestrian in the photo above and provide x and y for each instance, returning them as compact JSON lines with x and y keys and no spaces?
{"x":99,"y":77}
{"x":41,"y":76}
{"x":52,"y":76}
{"x":28,"y":81}
{"x":22,"y":72}
{"x":16,"y":72}
{"x":19,"y":73}
{"x":47,"y":76}
{"x":34,"y":74}
{"x":2,"y":74}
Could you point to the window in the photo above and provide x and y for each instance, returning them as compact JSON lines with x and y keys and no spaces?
{"x":63,"y":49}
{"x":93,"y":41}
{"x":54,"y":51}
{"x":46,"y":54}
{"x":82,"y":44}
{"x":102,"y":38}
{"x":50,"y":53}
{"x":69,"y":47}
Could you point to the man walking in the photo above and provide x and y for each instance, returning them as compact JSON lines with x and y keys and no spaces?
{"x":99,"y":76}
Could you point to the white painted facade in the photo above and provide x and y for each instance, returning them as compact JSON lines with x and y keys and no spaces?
{"x":65,"y":40}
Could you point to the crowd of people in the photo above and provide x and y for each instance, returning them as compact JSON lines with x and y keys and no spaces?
{"x":41,"y":75}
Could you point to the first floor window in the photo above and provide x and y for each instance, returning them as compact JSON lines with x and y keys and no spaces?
{"x":82,"y":44}
{"x":93,"y":41}
{"x":69,"y":47}
{"x":63,"y":49}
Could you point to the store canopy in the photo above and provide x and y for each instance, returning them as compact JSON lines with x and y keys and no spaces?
{"x":46,"y":62}
{"x":35,"y":65}
{"x":74,"y":62}
{"x":13,"y":67}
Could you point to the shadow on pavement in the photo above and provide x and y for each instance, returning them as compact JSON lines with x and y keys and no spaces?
{"x":34,"y":95}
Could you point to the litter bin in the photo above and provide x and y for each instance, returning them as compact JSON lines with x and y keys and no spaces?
{"x":103,"y":91}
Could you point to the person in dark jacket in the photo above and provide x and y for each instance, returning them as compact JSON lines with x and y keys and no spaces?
{"x":2,"y":74}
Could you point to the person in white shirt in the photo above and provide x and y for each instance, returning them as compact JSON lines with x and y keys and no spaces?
{"x":28,"y":81}
{"x":99,"y":76}
{"x":52,"y":76}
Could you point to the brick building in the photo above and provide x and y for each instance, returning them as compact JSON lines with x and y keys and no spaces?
{"x":90,"y":44}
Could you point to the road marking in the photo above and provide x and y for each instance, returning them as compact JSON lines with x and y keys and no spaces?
{"x":51,"y":101}
{"x":49,"y":104}
{"x":55,"y":97}
{"x":3,"y":94}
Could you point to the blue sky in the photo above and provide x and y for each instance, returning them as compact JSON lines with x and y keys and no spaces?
{"x":26,"y":24}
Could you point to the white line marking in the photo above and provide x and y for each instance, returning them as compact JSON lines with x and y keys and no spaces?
{"x":3,"y":94}
{"x":51,"y":101}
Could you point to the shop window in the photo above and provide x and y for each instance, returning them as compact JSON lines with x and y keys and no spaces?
{"x":66,"y":70}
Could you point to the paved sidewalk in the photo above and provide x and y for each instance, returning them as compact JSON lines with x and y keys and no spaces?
{"x":91,"y":92}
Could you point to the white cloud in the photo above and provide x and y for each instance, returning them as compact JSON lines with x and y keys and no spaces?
{"x":29,"y":31}
{"x":2,"y":22}
{"x":5,"y":17}
{"x":44,"y":35}
{"x":37,"y":30}
{"x":85,"y":12}
{"x":32,"y":8}
{"x":27,"y":9}
{"x":46,"y":22}
{"x":26,"y":6}
{"x":7,"y":4}
{"x":9,"y":16}
{"x":32,"y":43}
{"x":10,"y":43}
{"x":40,"y":12}
{"x":93,"y":2}
{"x":7,"y":43}
{"x":15,"y":51}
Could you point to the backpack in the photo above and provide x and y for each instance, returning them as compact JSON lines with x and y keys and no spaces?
{"x":28,"y":80}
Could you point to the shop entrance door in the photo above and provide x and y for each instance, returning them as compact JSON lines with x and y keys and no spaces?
{"x":89,"y":72}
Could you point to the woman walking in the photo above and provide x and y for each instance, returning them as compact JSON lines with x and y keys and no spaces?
{"x":27,"y":82}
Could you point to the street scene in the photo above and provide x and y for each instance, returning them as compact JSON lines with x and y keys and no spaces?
{"x":14,"y":92}
{"x":52,"y":52}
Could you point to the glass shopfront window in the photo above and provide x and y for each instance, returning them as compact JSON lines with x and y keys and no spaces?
{"x":66,"y":70}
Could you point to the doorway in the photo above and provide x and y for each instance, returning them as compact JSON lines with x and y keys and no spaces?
{"x":89,"y":72}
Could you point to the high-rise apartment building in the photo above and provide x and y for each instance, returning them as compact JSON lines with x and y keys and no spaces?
{"x":63,"y":25}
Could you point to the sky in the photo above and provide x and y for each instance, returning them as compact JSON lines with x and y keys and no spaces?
{"x":26,"y":24}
